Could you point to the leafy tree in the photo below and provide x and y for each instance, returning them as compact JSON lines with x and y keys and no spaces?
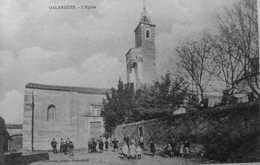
{"x":117,"y":105}
{"x":124,"y":105}
{"x":165,"y":95}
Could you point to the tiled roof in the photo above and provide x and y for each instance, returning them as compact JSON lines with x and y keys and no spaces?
{"x":98,"y":91}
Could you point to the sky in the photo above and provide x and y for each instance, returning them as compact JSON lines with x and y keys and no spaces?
{"x":80,"y":47}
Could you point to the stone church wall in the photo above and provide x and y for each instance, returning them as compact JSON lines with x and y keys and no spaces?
{"x":72,"y":118}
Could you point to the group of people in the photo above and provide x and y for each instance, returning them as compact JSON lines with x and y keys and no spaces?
{"x":92,"y":144}
{"x":65,"y":147}
{"x":130,"y":150}
{"x":182,"y":148}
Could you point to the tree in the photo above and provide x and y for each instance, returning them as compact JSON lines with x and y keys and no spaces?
{"x":123,"y":105}
{"x":194,"y":61}
{"x":165,"y":95}
{"x":117,"y":106}
{"x":236,"y":46}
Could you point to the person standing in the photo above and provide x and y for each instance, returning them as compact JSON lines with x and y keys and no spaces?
{"x":94,"y":145}
{"x":125,"y":150}
{"x":141,"y":141}
{"x":115,"y":144}
{"x":168,"y":149}
{"x":182,"y":149}
{"x":127,"y":139}
{"x":62,"y":145}
{"x":106,"y":144}
{"x":89,"y":145}
{"x":186,"y":148}
{"x":54,"y":145}
{"x":132,"y":151}
{"x":173,"y":145}
{"x":152,"y":148}
{"x":101,"y":145}
{"x":71,"y":147}
{"x":139,"y":152}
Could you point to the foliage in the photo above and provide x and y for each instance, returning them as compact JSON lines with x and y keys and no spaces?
{"x":125,"y":105}
{"x":117,"y":106}
{"x":231,"y":140}
{"x":167,"y":94}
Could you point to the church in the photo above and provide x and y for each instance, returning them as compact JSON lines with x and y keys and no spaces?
{"x":141,"y":60}
{"x":74,"y":112}
{"x":61,"y":112}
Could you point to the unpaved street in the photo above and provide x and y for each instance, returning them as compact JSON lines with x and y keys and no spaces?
{"x":110,"y":158}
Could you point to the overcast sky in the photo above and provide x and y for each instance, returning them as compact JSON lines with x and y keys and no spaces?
{"x":85,"y":47}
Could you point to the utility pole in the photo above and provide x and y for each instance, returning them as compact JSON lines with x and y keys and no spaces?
{"x":32,"y":118}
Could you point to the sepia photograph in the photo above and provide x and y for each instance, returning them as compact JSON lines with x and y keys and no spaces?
{"x":129,"y":82}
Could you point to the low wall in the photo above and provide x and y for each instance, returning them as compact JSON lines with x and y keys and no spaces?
{"x":240,"y":121}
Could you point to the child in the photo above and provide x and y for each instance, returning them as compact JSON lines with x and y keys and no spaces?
{"x":71,"y":147}
{"x":152,"y":147}
{"x":139,"y":152}
{"x":115,"y":144}
{"x":182,"y":149}
{"x":169,"y":149}
{"x":125,"y":150}
{"x":106,"y":144}
{"x":132,"y":151}
{"x":89,"y":145}
{"x":186,"y":148}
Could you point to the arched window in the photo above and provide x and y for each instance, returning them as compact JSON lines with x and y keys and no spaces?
{"x":147,"y":33}
{"x":51,"y":112}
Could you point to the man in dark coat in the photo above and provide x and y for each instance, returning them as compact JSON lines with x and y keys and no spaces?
{"x":115,"y":144}
{"x":127,"y":139}
{"x":152,"y":147}
{"x":62,"y":145}
{"x":101,"y":145}
{"x":54,"y":145}
{"x":94,"y":145}
{"x":106,"y":144}
{"x":173,"y":144}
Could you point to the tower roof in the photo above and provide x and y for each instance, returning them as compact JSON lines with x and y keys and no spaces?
{"x":145,"y":16}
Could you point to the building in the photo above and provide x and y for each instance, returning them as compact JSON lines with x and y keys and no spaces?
{"x":61,"y":112}
{"x":140,"y":60}
{"x":4,"y":137}
{"x":16,"y":133}
{"x":244,"y":91}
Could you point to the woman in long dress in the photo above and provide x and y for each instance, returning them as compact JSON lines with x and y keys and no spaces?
{"x":132,"y":151}
{"x":125,"y":150}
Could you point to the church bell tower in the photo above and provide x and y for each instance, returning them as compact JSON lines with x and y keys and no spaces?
{"x":141,"y":64}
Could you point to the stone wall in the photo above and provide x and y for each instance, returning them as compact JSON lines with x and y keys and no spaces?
{"x":15,"y":131}
{"x":195,"y":126}
{"x":72,"y":119}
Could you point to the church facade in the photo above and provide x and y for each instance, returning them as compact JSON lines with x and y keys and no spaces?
{"x":140,"y":60}
{"x":61,"y":112}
